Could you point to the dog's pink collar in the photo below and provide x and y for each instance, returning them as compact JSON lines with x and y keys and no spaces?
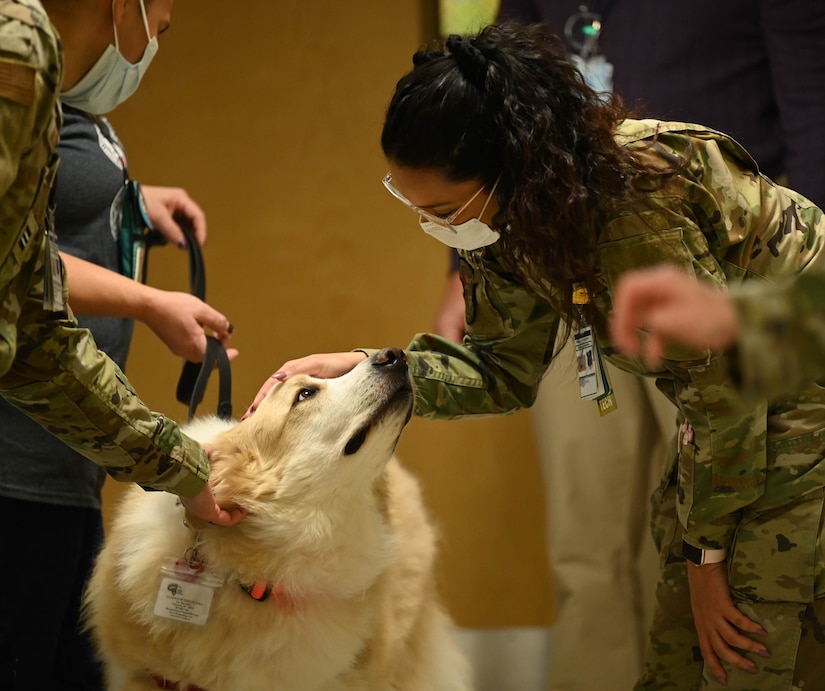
{"x":263,"y":591}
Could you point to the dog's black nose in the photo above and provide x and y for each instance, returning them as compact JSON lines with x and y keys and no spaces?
{"x":392,"y":358}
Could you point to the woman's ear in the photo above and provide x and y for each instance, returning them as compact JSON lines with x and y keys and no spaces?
{"x":118,"y":10}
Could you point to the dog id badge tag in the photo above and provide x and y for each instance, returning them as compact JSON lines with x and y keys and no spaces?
{"x":186,"y":591}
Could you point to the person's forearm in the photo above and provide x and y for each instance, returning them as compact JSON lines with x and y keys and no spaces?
{"x":64,"y":382}
{"x":95,"y":291}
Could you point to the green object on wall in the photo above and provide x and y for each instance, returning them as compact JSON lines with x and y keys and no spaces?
{"x":465,"y":16}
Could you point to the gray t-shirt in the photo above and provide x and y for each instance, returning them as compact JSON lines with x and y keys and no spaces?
{"x":34,"y":465}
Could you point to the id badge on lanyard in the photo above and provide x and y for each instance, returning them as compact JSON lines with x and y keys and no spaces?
{"x":594,"y":383}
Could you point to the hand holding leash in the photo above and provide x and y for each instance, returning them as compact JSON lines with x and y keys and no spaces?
{"x":178,"y":319}
{"x":195,"y":375}
{"x":171,"y":207}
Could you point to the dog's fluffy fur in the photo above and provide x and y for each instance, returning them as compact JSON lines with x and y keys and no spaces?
{"x":334,"y":523}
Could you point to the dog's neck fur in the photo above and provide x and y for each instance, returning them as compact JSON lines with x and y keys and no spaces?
{"x":301,"y":568}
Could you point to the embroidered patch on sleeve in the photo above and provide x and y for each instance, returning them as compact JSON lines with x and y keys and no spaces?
{"x":17,"y":81}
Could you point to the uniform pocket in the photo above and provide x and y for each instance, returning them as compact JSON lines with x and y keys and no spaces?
{"x":643,"y":251}
{"x":684,"y":248}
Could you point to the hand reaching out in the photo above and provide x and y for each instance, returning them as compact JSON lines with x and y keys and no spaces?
{"x":663,"y":304}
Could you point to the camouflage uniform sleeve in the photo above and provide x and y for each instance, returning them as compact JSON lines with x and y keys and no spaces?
{"x":12,"y":113}
{"x":29,"y":75}
{"x":65,"y":383}
{"x":509,"y":341}
{"x":782,"y":342}
{"x":721,"y":451}
{"x":750,"y":231}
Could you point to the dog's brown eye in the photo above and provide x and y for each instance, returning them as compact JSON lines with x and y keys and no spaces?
{"x":304,"y":394}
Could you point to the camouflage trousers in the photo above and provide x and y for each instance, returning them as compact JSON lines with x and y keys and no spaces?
{"x":775,"y":572}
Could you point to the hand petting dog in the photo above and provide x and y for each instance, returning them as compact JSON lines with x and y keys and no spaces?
{"x":323,"y":365}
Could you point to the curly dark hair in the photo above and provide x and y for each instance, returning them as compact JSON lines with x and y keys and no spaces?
{"x":508,"y":102}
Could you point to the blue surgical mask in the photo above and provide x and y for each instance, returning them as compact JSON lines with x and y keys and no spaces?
{"x":112,"y":79}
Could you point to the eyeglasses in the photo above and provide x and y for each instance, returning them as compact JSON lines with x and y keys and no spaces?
{"x":443,"y":221}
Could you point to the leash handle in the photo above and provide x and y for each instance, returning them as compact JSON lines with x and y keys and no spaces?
{"x":195,"y":375}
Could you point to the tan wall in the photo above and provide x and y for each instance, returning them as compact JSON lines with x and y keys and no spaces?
{"x":269,"y":113}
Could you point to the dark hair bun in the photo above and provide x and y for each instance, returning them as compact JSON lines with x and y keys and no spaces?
{"x":469,"y":58}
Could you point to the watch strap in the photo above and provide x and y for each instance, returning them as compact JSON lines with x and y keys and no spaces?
{"x":700,"y":556}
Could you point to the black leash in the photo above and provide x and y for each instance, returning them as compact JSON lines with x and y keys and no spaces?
{"x":191,"y":392}
{"x":195,"y":375}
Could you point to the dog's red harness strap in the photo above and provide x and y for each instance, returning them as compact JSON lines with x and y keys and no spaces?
{"x":164,"y":683}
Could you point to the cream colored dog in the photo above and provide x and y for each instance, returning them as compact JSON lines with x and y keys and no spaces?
{"x":326,"y":584}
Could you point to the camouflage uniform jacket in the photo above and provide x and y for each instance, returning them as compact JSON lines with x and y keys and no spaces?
{"x":782,"y":342}
{"x":49,"y":367}
{"x":720,"y":220}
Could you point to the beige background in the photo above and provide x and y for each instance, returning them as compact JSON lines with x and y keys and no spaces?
{"x":269,"y":113}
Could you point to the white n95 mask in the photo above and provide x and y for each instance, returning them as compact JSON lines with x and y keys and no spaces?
{"x":112,"y":79}
{"x":471,"y":235}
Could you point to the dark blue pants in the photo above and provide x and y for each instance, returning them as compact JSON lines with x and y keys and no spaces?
{"x":46,"y":556}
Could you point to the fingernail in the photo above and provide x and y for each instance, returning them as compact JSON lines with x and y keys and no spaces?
{"x":722,"y":681}
{"x":279,"y":375}
{"x":764,"y":652}
{"x":230,"y":328}
{"x":182,"y":243}
{"x":752,"y":669}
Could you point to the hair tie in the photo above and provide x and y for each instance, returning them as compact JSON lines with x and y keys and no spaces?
{"x":469,"y":58}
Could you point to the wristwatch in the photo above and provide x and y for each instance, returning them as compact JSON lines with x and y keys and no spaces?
{"x":703,"y":556}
